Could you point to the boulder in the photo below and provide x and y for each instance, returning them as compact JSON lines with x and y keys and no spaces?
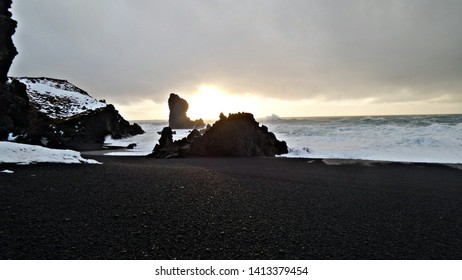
{"x":237,"y":135}
{"x":178,"y":118}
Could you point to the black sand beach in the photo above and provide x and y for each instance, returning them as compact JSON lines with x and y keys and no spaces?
{"x":230,"y":208}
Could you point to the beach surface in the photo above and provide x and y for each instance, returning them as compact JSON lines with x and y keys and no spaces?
{"x":230,"y":208}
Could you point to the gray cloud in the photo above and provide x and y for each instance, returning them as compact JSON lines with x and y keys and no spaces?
{"x":120,"y":49}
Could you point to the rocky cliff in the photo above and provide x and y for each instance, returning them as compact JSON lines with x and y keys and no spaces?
{"x":14,"y":102}
{"x":7,"y":48}
{"x":63,"y":115}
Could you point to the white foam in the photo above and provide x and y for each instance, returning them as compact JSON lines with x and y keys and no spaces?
{"x":144,"y":142}
{"x":429,"y":139}
{"x":373,"y":139}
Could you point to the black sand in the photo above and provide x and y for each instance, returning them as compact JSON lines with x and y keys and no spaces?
{"x":253,"y":208}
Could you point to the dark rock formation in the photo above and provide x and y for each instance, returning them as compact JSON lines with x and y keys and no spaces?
{"x":84,"y":131}
{"x":20,"y":117}
{"x":177,"y":118}
{"x":168,"y":148}
{"x":14,"y":107}
{"x":14,"y":103}
{"x":87,"y":131}
{"x":237,"y":135}
{"x":7,"y":48}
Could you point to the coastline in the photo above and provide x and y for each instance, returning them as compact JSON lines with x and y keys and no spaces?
{"x":231,"y":208}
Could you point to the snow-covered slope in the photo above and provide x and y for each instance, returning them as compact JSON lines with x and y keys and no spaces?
{"x":59,"y":99}
{"x":27,"y":154}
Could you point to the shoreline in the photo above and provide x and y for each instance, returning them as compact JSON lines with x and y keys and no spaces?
{"x":230,"y":208}
{"x":327,"y":161}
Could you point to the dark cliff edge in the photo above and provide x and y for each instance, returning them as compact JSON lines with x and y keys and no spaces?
{"x":14,"y":102}
{"x":7,"y":49}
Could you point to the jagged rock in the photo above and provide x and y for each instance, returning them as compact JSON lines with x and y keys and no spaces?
{"x":177,"y":118}
{"x":7,"y":49}
{"x":193,"y":135}
{"x":58,"y":114}
{"x":14,"y":104}
{"x":168,"y":148}
{"x":237,"y":135}
{"x":88,"y":130}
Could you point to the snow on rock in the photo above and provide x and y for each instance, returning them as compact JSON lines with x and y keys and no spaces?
{"x":7,"y":171}
{"x":59,"y":99}
{"x":27,"y":154}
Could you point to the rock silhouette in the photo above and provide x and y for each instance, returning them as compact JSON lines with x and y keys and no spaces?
{"x":14,"y":102}
{"x":178,"y":118}
{"x":237,"y":135}
{"x":7,"y":49}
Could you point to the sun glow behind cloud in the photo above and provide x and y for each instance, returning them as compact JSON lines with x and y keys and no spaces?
{"x":290,"y":58}
{"x":209,"y":101}
{"x":143,"y":110}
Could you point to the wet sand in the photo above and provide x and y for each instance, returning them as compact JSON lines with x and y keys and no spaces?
{"x":230,"y":208}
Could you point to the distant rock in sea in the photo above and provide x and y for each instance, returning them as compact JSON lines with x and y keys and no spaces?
{"x":271,"y":118}
{"x":177,"y":118}
{"x":237,"y":135}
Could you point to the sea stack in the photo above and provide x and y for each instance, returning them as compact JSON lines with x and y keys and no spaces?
{"x":177,"y":118}
{"x":237,"y":135}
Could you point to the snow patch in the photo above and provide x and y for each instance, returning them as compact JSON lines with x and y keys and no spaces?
{"x":59,"y":99}
{"x":7,"y":171}
{"x":11,"y":137}
{"x":26,"y":154}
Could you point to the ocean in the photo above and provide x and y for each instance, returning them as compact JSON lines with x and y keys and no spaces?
{"x":423,"y":138}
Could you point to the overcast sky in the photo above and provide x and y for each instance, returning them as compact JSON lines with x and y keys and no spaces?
{"x":385,"y":54}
